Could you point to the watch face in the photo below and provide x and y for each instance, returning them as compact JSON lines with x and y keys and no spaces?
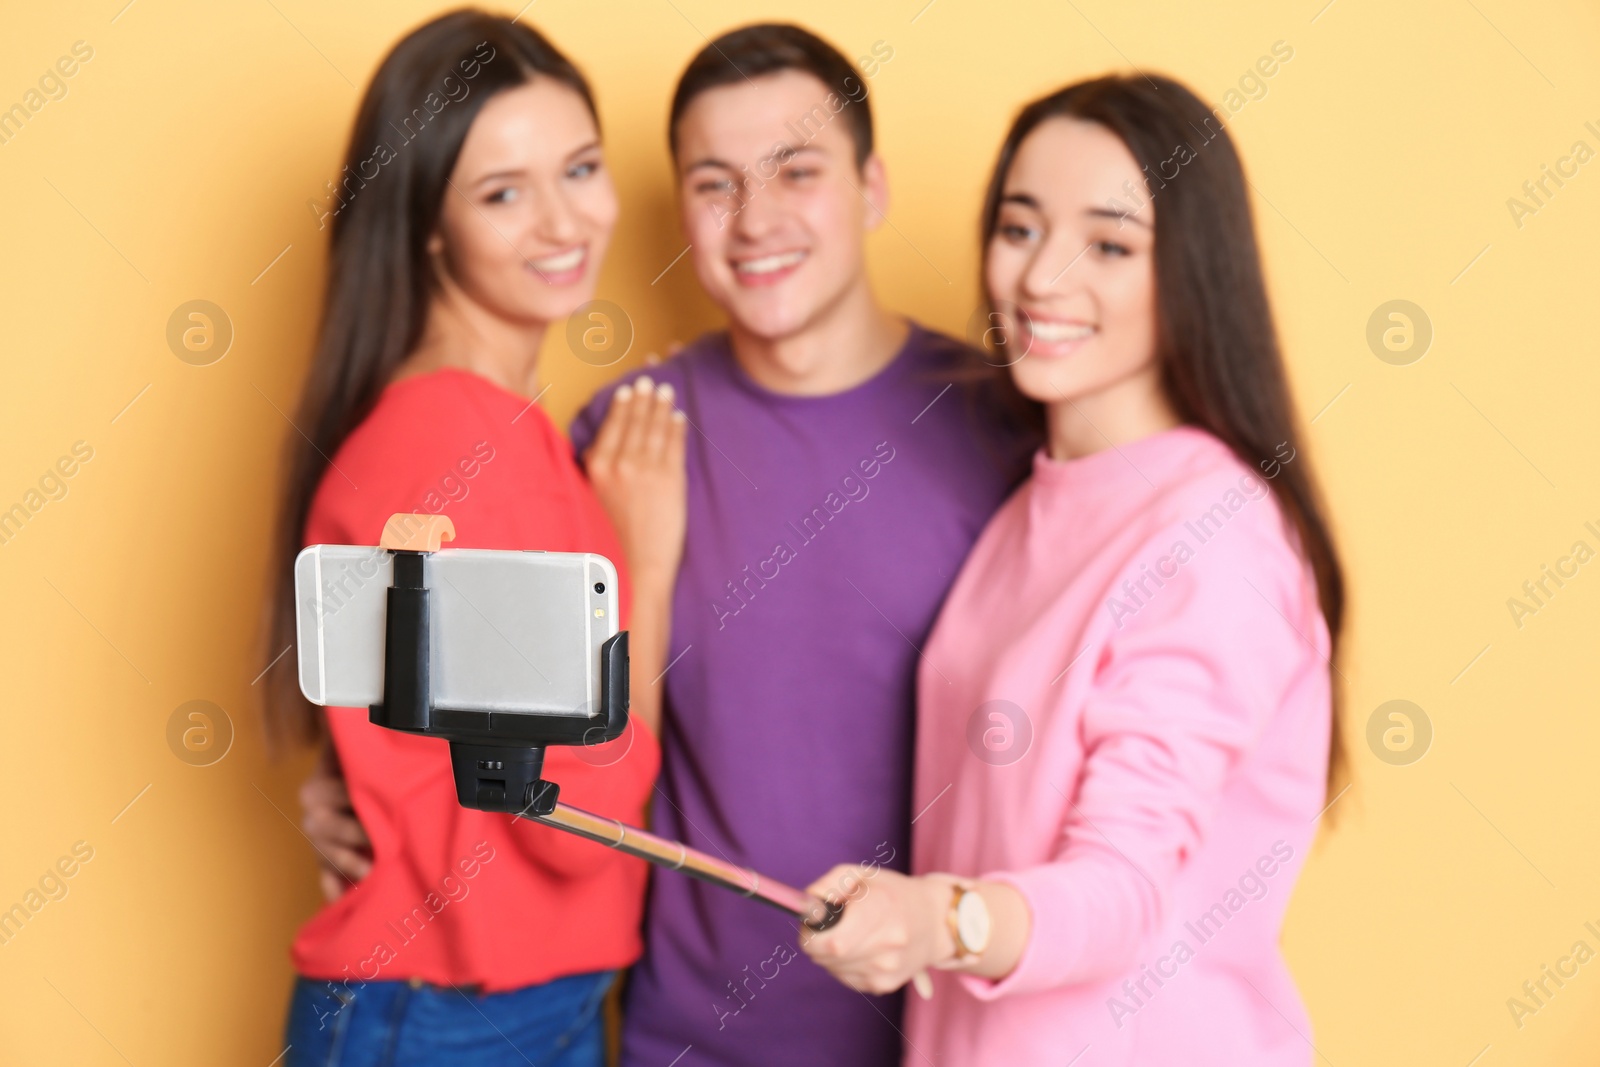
{"x":972,"y":921}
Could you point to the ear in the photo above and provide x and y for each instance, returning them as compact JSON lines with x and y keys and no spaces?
{"x":875,"y":187}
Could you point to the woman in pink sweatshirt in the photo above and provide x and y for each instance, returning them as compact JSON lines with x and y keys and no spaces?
{"x":1125,"y":722}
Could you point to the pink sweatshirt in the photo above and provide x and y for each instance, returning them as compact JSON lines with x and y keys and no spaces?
{"x":1124,"y":712}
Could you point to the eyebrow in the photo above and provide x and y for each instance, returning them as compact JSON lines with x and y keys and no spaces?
{"x":706,"y":164}
{"x":1026,"y":200}
{"x":1112,"y":213}
{"x":784,"y":153}
{"x":517,"y":172}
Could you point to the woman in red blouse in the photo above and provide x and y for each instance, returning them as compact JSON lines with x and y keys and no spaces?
{"x":473,"y":213}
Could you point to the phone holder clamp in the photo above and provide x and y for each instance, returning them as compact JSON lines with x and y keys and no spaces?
{"x":497,"y":757}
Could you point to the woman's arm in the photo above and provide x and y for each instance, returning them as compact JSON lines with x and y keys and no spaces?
{"x":896,"y":926}
{"x":637,"y":469}
{"x":1181,"y":697}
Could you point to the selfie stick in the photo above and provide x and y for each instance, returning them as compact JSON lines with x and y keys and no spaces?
{"x":680,"y":857}
{"x":498,"y":757}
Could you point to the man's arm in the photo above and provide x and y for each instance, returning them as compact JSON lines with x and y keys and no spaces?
{"x":329,"y":820}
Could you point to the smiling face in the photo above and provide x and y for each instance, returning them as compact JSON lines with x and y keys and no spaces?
{"x":772,"y":201}
{"x":1078,"y":268}
{"x":530,"y":207}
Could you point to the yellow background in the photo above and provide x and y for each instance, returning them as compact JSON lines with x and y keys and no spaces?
{"x":179,"y":165}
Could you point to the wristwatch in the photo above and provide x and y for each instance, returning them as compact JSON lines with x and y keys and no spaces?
{"x":968,"y":919}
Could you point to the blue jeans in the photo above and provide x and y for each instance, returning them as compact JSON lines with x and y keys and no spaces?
{"x":398,"y":1024}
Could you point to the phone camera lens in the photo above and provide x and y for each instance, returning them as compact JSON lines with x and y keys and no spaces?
{"x":599,"y":587}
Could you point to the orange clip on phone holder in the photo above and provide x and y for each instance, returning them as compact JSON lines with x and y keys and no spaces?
{"x":497,"y":756}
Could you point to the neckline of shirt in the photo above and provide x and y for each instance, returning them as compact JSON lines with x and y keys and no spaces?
{"x":888,"y":371}
{"x":1137,"y":462}
{"x":523,"y":402}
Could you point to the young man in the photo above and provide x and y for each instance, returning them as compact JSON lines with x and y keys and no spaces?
{"x":836,"y":479}
{"x":834,"y":487}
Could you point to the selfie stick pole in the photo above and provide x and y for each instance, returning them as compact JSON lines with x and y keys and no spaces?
{"x":677,"y":856}
{"x":498,"y":759}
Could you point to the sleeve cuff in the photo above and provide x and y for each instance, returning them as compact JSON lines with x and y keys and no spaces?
{"x":1055,"y":936}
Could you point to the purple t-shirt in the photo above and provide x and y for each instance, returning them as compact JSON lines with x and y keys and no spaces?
{"x":823,"y":534}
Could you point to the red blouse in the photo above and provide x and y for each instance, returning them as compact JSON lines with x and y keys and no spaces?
{"x":457,"y":896}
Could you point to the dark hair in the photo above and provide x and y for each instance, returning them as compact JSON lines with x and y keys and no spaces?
{"x":1215,"y":338}
{"x":768,"y":48}
{"x":407,"y":136}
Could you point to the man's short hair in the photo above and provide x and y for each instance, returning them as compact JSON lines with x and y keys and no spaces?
{"x":768,"y":48}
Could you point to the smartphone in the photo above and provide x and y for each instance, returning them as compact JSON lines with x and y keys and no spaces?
{"x":512,"y":631}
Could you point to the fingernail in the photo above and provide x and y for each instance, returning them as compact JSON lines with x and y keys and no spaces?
{"x":644,"y":383}
{"x":664,"y":391}
{"x":624,"y":392}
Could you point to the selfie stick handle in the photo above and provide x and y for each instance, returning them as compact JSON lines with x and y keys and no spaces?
{"x":675,"y":855}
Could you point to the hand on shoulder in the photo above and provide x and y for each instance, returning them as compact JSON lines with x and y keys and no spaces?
{"x":637,"y":468}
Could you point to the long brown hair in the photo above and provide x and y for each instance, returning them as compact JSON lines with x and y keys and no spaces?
{"x":404,"y":145}
{"x":1215,"y":338}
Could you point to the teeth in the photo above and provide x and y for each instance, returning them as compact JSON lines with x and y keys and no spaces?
{"x":768,"y":264}
{"x":1059,"y":331}
{"x":557,"y":264}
